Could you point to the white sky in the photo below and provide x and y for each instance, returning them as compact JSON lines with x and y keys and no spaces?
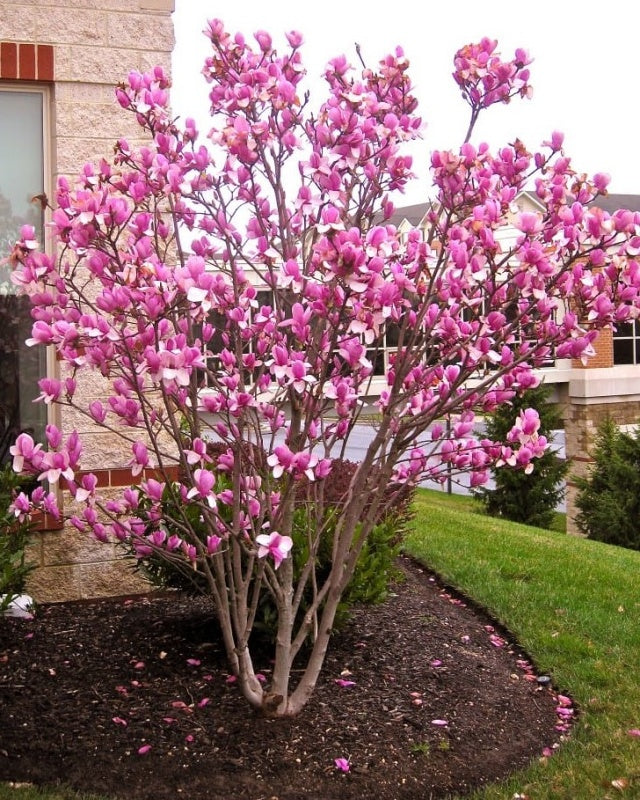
{"x":584,"y":74}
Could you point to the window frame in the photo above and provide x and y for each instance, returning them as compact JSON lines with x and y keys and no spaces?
{"x":44,"y":90}
{"x":633,"y":337}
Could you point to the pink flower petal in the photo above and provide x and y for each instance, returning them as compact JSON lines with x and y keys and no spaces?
{"x":634,"y":732}
{"x":342,"y":764}
{"x":344,"y":684}
{"x":440,"y":722}
{"x":204,"y":702}
{"x":144,"y":749}
{"x":119,"y":721}
{"x":193,"y":662}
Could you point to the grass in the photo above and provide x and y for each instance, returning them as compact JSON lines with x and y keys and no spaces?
{"x":573,"y":605}
{"x":22,"y":791}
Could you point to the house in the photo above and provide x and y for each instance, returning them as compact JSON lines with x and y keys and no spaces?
{"x":59,"y":63}
{"x":607,"y":386}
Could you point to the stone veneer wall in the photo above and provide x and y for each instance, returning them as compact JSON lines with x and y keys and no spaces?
{"x":581,"y":425}
{"x":81,"y":49}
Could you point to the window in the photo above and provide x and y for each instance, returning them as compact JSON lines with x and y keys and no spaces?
{"x":386,"y":347}
{"x":626,"y":343}
{"x":22,"y":176}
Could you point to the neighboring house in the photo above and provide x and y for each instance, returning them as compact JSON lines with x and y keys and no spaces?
{"x":609,"y":384}
{"x":59,"y":63}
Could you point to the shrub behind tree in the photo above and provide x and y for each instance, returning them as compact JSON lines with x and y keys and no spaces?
{"x":14,"y":537}
{"x":609,"y":497}
{"x":521,"y":496}
{"x":374,"y":571}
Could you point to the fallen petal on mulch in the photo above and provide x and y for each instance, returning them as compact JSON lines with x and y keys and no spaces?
{"x":473,"y":723}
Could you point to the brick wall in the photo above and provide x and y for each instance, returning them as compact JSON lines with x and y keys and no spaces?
{"x":25,"y":61}
{"x":81,"y":49}
{"x":603,"y":357}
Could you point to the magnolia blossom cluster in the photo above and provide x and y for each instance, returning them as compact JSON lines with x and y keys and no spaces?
{"x":472,"y":319}
{"x":237,"y":293}
{"x":485,"y":78}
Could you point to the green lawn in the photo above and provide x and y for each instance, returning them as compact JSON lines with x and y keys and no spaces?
{"x":574,"y":605}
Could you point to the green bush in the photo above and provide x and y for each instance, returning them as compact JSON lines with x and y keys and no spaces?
{"x":531,"y":499}
{"x":14,"y":536}
{"x":609,"y":497}
{"x":374,"y":571}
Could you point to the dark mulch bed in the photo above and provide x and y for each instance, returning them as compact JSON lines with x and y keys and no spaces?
{"x":84,"y":686}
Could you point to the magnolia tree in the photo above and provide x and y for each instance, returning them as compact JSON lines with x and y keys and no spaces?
{"x":162,"y":258}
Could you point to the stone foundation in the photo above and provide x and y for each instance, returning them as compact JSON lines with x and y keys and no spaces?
{"x":68,"y":570}
{"x":71,"y":565}
{"x":581,"y":426}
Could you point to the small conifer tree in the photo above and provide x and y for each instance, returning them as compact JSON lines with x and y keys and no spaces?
{"x":609,"y":497}
{"x":531,"y":498}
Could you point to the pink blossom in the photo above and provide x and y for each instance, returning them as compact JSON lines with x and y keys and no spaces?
{"x":21,"y":506}
{"x":97,"y":411}
{"x":25,"y":450}
{"x":274,"y":545}
{"x":140,"y":458}
{"x":203,"y":482}
{"x":342,"y":764}
{"x":50,"y":389}
{"x":294,"y":38}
